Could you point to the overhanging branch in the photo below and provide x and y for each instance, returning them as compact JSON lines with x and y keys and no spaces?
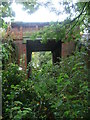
{"x":77,"y":16}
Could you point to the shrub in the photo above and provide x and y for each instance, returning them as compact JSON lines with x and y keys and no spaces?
{"x":53,"y":92}
{"x":8,"y":53}
{"x":63,"y":89}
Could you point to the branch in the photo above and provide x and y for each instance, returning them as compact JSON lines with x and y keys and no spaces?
{"x":77,"y":16}
{"x":75,"y":24}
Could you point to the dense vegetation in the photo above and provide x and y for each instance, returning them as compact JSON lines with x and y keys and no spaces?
{"x":53,"y":92}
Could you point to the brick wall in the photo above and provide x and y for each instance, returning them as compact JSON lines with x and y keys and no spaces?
{"x":68,"y":48}
{"x":17,"y":34}
{"x":21,"y":53}
{"x":18,"y":30}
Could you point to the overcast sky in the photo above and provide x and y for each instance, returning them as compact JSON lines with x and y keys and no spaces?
{"x":41,"y":15}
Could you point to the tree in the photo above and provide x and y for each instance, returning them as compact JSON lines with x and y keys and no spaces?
{"x":5,"y":11}
{"x":69,"y":29}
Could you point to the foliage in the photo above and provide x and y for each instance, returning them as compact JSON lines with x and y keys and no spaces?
{"x":8,"y":53}
{"x":8,"y":48}
{"x":57,"y":31}
{"x":68,"y":29}
{"x":12,"y":79}
{"x":64,"y":90}
{"x":40,"y":58}
{"x":30,"y":6}
{"x":5,"y":12}
{"x":53,"y":92}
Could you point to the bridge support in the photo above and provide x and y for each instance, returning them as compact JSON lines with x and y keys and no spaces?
{"x":37,"y":46}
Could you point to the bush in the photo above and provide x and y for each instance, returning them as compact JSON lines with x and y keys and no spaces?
{"x":12,"y":87}
{"x":8,"y":53}
{"x":53,"y":92}
{"x":63,"y":90}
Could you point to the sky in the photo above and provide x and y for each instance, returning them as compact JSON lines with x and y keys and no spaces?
{"x":41,"y":15}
